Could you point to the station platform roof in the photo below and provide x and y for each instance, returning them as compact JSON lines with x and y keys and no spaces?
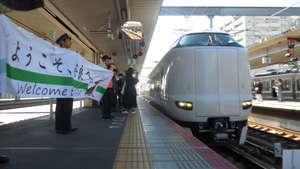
{"x":275,"y":47}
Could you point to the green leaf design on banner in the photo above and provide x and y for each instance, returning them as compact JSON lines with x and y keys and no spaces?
{"x":4,"y":9}
{"x":27,"y":76}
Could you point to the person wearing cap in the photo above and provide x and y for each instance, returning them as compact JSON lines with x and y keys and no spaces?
{"x":64,"y":106}
{"x":258,"y":89}
{"x":108,"y":94}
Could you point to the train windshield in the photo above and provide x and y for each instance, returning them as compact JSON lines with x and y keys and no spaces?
{"x":207,"y":39}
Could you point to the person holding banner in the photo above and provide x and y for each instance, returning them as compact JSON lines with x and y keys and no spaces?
{"x":108,"y":95}
{"x":64,"y":106}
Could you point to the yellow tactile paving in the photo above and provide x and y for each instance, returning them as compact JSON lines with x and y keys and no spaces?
{"x":133,"y":150}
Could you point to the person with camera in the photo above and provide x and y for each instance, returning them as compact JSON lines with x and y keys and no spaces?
{"x":278,"y":89}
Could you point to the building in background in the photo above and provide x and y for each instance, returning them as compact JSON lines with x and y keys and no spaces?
{"x":248,"y":30}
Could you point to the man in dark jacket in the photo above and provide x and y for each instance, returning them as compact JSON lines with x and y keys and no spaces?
{"x":258,"y":89}
{"x":115,"y":88}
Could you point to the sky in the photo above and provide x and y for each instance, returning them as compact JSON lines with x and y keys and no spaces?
{"x":163,"y":36}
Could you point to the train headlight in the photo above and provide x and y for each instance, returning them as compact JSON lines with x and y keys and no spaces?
{"x":184,"y":105}
{"x":246,"y":104}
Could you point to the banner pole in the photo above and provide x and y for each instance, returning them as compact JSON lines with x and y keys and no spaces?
{"x":80,"y":104}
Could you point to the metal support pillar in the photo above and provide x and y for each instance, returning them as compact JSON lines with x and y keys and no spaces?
{"x":94,"y":58}
{"x":97,"y":58}
{"x":51,"y":110}
{"x":211,"y":17}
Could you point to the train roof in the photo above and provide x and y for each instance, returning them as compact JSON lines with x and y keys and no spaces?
{"x":273,"y":74}
{"x":206,"y":31}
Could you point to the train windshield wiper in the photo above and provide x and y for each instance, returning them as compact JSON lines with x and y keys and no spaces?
{"x":209,"y":40}
{"x":218,"y":40}
{"x":228,"y":43}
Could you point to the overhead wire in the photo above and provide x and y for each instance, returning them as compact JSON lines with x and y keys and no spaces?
{"x":202,"y":13}
{"x":190,"y":13}
{"x":273,"y":14}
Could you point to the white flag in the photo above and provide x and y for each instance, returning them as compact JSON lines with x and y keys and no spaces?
{"x":33,"y":67}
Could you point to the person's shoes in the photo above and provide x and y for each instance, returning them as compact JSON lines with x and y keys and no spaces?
{"x":125,"y":112}
{"x":106,"y":118}
{"x":4,"y":159}
{"x":133,"y":112}
{"x":112,"y":117}
{"x":72,"y":129}
{"x":62,"y":132}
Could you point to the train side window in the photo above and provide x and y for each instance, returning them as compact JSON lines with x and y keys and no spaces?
{"x":263,"y":86}
{"x":298,"y":84}
{"x":268,"y":86}
{"x":283,"y":85}
{"x":288,"y":85}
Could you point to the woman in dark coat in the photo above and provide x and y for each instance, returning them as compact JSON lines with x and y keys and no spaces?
{"x":129,"y":98}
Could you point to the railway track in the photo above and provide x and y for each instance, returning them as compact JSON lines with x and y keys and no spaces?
{"x":259,"y":147}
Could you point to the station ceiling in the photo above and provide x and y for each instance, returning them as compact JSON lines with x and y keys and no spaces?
{"x":78,"y":18}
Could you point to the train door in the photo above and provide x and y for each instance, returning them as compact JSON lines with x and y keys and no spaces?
{"x":274,"y":94}
{"x":217,"y":84}
{"x":206,"y":82}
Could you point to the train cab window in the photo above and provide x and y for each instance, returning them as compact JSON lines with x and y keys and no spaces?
{"x":287,"y":85}
{"x":194,"y":39}
{"x":298,"y":84}
{"x":207,"y":39}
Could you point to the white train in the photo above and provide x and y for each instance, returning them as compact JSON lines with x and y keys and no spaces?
{"x":290,"y":85}
{"x":203,"y":82}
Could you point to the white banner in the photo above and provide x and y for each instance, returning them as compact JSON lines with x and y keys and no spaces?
{"x":33,"y":67}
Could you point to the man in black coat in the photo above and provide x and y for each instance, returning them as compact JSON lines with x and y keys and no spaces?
{"x":258,"y":89}
{"x":129,"y":97}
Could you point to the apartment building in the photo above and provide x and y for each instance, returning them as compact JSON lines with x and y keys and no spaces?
{"x":248,"y":30}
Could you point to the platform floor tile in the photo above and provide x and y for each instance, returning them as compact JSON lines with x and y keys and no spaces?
{"x":151,"y":140}
{"x":133,"y":150}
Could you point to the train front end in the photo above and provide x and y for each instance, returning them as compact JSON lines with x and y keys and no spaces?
{"x":219,"y":102}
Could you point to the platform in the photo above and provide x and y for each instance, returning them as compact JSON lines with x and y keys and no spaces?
{"x":274,"y":104}
{"x":147,"y":139}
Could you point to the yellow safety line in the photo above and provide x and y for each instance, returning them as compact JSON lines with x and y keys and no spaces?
{"x":133,"y":150}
